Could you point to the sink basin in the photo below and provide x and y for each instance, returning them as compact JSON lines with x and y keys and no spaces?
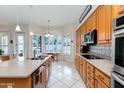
{"x":91,"y":57}
{"x":42,"y":57}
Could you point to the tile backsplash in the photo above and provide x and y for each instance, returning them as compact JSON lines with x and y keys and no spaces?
{"x":103,"y":51}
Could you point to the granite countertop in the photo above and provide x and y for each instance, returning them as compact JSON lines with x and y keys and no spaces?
{"x":19,"y":68}
{"x":102,"y":64}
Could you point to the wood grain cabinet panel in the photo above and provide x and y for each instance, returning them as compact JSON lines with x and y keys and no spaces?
{"x":101,"y":24}
{"x":78,"y":35}
{"x":99,"y":83}
{"x":91,"y":22}
{"x":90,"y":75}
{"x":83,"y":31}
{"x":83,"y":69}
{"x":104,"y":24}
{"x":77,"y":63}
{"x":104,"y":78}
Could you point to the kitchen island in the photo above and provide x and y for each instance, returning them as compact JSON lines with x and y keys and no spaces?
{"x":18,"y":73}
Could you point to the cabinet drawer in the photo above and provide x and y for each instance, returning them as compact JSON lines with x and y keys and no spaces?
{"x":102,"y":77}
{"x":90,"y":74}
{"x":90,"y":79}
{"x":90,"y":67}
{"x":90,"y":85}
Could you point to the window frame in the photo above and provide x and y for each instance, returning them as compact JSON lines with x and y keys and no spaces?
{"x":8,"y":45}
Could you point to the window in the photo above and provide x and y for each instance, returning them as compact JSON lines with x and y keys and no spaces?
{"x":53,"y":44}
{"x":37,"y":45}
{"x":67,"y":44}
{"x":4,"y":43}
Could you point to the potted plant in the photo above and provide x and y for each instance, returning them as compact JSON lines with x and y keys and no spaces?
{"x":1,"y":51}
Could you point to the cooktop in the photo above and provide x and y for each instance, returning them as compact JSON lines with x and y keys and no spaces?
{"x":91,"y":57}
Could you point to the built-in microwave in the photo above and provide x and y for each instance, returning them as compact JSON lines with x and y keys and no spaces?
{"x":118,"y":22}
{"x":90,"y":37}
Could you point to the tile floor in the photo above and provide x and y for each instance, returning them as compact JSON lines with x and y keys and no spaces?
{"x":64,"y":75}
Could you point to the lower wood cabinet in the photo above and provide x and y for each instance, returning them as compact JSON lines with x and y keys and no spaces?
{"x":77,"y":63}
{"x":4,"y":58}
{"x":99,"y":83}
{"x":90,"y":75}
{"x":101,"y":77}
{"x":93,"y":77}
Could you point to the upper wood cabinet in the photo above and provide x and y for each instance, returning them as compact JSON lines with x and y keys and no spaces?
{"x":117,"y":10}
{"x":83,"y":31}
{"x":91,"y":22}
{"x":78,"y":35}
{"x":104,"y":24}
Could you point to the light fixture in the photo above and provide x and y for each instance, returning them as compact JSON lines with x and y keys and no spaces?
{"x":17,"y":26}
{"x":31,"y":33}
{"x":51,"y":35}
{"x":48,"y":34}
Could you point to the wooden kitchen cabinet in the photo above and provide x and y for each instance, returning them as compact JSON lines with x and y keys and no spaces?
{"x":104,"y":24}
{"x":78,"y":35}
{"x":99,"y":83}
{"x":102,"y":79}
{"x":77,"y":63}
{"x":117,"y":10}
{"x":83,"y":69}
{"x":91,"y":22}
{"x":83,"y":31}
{"x":90,"y":75}
{"x":4,"y":58}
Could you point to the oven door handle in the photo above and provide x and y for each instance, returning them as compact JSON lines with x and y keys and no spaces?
{"x":116,"y":77}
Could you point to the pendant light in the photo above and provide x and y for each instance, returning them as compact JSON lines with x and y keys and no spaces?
{"x":17,"y":26}
{"x":48,"y":34}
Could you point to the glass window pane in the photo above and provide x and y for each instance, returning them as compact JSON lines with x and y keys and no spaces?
{"x":4,"y":43}
{"x":53,"y":44}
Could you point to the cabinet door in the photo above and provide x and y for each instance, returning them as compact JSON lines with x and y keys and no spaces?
{"x":81,"y":67}
{"x":108,"y":23}
{"x":78,"y":41}
{"x":83,"y":31}
{"x":85,"y":71}
{"x":77,"y":63}
{"x":99,"y":83}
{"x":101,"y":24}
{"x":91,"y":22}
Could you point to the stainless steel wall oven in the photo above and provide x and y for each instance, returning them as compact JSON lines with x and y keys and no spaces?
{"x":118,"y":53}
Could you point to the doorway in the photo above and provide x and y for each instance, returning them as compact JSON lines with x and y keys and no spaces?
{"x":20,"y":43}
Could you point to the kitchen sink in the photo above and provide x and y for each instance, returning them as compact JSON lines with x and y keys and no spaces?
{"x":42,"y":57}
{"x":91,"y":57}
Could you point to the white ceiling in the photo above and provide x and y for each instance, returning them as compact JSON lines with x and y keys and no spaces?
{"x":39,"y":14}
